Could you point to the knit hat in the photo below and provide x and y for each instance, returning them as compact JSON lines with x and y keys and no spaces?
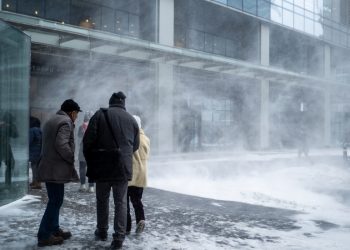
{"x":69,"y":105}
{"x":117,"y":98}
{"x":138,"y":120}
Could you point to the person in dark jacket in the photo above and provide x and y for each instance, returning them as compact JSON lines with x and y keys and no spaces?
{"x":99,"y":136}
{"x":35,"y":140}
{"x":56,"y":167}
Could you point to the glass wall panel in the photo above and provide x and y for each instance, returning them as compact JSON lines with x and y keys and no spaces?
{"x":219,"y":45}
{"x":32,"y":8}
{"x":250,"y":6}
{"x":276,"y":13}
{"x":85,"y":15}
{"x":209,"y":43}
{"x":134,"y":25}
{"x":14,"y":113}
{"x":57,"y":10}
{"x":195,"y":39}
{"x":9,"y":5}
{"x":264,"y":9}
{"x":299,"y":21}
{"x":288,"y":18}
{"x":122,"y":22}
{"x":107,"y":19}
{"x":309,"y":26}
{"x":235,"y":4}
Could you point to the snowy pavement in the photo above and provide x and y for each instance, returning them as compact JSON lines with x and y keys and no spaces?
{"x":212,"y":201}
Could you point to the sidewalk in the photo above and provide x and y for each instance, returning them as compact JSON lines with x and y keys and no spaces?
{"x":180,"y":221}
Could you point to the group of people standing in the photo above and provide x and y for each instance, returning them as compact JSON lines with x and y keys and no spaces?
{"x":112,"y":133}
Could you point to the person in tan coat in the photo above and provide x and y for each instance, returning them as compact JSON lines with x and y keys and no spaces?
{"x":139,"y":181}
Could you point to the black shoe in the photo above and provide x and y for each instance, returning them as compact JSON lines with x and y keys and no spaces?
{"x":64,"y":234}
{"x":100,"y":235}
{"x":53,"y":240}
{"x":116,"y":244}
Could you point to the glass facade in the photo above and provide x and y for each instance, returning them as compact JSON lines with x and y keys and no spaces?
{"x":135,"y":18}
{"x":14,"y":112}
{"x":202,"y":26}
{"x":328,"y":20}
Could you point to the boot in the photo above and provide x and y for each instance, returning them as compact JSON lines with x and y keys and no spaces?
{"x":53,"y":240}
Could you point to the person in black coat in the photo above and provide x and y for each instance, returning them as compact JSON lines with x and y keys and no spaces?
{"x":108,"y":173}
{"x":35,"y":141}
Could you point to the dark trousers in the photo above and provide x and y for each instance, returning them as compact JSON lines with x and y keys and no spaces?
{"x":135,"y":196}
{"x":102,"y":202}
{"x":50,"y":221}
{"x":82,"y":173}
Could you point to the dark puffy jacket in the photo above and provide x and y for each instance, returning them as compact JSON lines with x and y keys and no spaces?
{"x":126,"y":131}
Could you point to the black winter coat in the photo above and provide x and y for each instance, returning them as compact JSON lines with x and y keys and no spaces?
{"x":98,"y":136}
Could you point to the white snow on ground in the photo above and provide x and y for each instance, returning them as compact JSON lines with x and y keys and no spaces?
{"x":320,"y":190}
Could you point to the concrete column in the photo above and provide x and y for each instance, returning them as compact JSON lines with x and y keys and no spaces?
{"x":327,"y":95}
{"x":165,"y":108}
{"x":166,"y":22}
{"x":264,"y":88}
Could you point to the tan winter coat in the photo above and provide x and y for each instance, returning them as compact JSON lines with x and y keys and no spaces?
{"x":139,"y":162}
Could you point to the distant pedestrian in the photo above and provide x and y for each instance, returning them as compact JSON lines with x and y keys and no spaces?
{"x":139,"y":181}
{"x":35,"y":141}
{"x":109,"y":142}
{"x":56,"y":167}
{"x":82,"y":161}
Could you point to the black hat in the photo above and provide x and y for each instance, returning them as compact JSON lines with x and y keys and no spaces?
{"x":70,"y":105}
{"x":117,"y":98}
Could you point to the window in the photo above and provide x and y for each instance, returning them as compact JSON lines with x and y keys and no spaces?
{"x":299,"y":22}
{"x":264,"y":9}
{"x":235,"y":4}
{"x":122,"y":22}
{"x":208,"y":43}
{"x":107,"y":19}
{"x":134,"y":25}
{"x":85,"y":15}
{"x":250,"y":6}
{"x":288,"y":18}
{"x":196,"y":39}
{"x":219,"y":45}
{"x":276,"y":13}
{"x":9,"y":5}
{"x":57,"y":10}
{"x":309,"y":26}
{"x":32,"y":8}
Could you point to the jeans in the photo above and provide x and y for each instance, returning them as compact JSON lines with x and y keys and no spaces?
{"x":82,"y":173}
{"x":102,"y":201}
{"x":135,"y":195}
{"x":50,"y":221}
